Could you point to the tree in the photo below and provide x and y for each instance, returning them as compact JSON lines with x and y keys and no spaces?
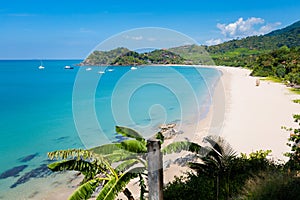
{"x":97,"y":173}
{"x":294,"y":143}
{"x":95,"y":165}
{"x":215,"y":160}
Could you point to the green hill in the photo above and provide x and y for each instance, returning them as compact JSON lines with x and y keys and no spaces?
{"x":124,"y":57}
{"x":275,"y":54}
{"x":242,"y":52}
{"x":104,"y":57}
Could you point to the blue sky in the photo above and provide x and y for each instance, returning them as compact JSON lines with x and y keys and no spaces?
{"x":41,"y":29}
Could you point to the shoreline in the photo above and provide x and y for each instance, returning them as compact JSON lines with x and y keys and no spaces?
{"x":251,"y":119}
{"x":255,"y":114}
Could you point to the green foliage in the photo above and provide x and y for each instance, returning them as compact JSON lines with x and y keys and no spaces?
{"x":294,"y":143}
{"x":190,"y":187}
{"x":231,"y":181}
{"x":133,"y":146}
{"x":125,"y":57}
{"x":272,"y":185}
{"x":128,"y":132}
{"x":296,"y":101}
{"x":86,"y":190}
{"x":104,"y":57}
{"x":111,"y":189}
{"x":88,"y":169}
{"x":160,"y":137}
{"x":220,"y":173}
{"x":193,"y":54}
{"x":294,"y":90}
{"x":127,"y":164}
{"x":282,"y":63}
{"x":72,"y":153}
{"x":177,"y":147}
{"x":95,"y":165}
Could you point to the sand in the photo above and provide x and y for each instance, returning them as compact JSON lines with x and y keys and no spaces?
{"x":249,"y":117}
{"x":255,"y":114}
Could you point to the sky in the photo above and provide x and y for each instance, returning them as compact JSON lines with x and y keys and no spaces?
{"x":65,"y":29}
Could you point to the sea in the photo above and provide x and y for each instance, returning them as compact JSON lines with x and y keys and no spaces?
{"x":54,"y":108}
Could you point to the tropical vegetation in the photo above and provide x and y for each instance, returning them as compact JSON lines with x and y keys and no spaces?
{"x":124,"y":57}
{"x":95,"y":164}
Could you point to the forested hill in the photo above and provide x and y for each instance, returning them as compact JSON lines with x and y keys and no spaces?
{"x":275,"y":54}
{"x":123,"y":57}
{"x":288,"y":36}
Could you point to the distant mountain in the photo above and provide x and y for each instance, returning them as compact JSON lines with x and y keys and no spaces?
{"x":288,"y":36}
{"x":241,"y":52}
{"x":124,"y":57}
{"x":104,"y":57}
{"x":291,"y":28}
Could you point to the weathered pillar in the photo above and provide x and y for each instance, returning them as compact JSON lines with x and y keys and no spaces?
{"x":155,"y":170}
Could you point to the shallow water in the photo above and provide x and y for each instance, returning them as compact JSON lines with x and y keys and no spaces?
{"x":55,"y":108}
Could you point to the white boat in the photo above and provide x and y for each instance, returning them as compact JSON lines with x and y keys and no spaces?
{"x":68,"y":67}
{"x":133,"y":68}
{"x":88,"y":69}
{"x":41,"y":66}
{"x":110,"y":70}
{"x":101,"y":72}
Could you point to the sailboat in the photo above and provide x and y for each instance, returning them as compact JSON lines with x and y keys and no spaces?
{"x":41,"y":66}
{"x":133,"y":67}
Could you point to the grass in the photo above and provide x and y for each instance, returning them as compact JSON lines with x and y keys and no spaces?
{"x":276,"y":186}
{"x":273,"y":79}
{"x":296,"y":101}
{"x":294,"y":90}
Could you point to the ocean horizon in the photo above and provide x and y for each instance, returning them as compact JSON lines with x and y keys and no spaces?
{"x":55,"y":108}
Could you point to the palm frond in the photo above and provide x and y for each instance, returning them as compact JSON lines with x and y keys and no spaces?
{"x":177,"y":147}
{"x":128,"y":132}
{"x":105,"y":149}
{"x":116,"y":185}
{"x":76,"y":165}
{"x":86,"y":190}
{"x":220,"y":145}
{"x":133,"y":146}
{"x":127,"y":164}
{"x":70,"y":153}
{"x":119,"y":156}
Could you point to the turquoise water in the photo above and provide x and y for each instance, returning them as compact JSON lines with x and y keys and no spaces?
{"x":55,"y":108}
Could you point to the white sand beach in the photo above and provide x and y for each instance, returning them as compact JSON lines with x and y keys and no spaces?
{"x":253,"y":116}
{"x":252,"y":120}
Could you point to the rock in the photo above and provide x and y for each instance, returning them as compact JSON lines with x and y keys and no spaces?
{"x":39,"y":172}
{"x":13,"y":172}
{"x":28,"y":158}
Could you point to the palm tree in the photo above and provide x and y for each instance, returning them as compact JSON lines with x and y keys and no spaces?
{"x":216,"y":159}
{"x":95,"y":165}
{"x":97,"y":173}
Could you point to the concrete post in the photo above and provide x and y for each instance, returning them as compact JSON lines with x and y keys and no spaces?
{"x":155,"y":170}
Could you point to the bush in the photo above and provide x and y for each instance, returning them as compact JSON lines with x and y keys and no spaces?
{"x":190,"y":187}
{"x":275,"y":186}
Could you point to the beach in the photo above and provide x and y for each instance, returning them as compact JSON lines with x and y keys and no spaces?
{"x":249,"y":117}
{"x":252,"y":119}
{"x":255,"y":114}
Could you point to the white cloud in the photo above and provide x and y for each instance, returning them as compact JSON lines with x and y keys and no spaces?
{"x":213,"y":42}
{"x":133,"y":37}
{"x":269,"y":27}
{"x":244,"y":28}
